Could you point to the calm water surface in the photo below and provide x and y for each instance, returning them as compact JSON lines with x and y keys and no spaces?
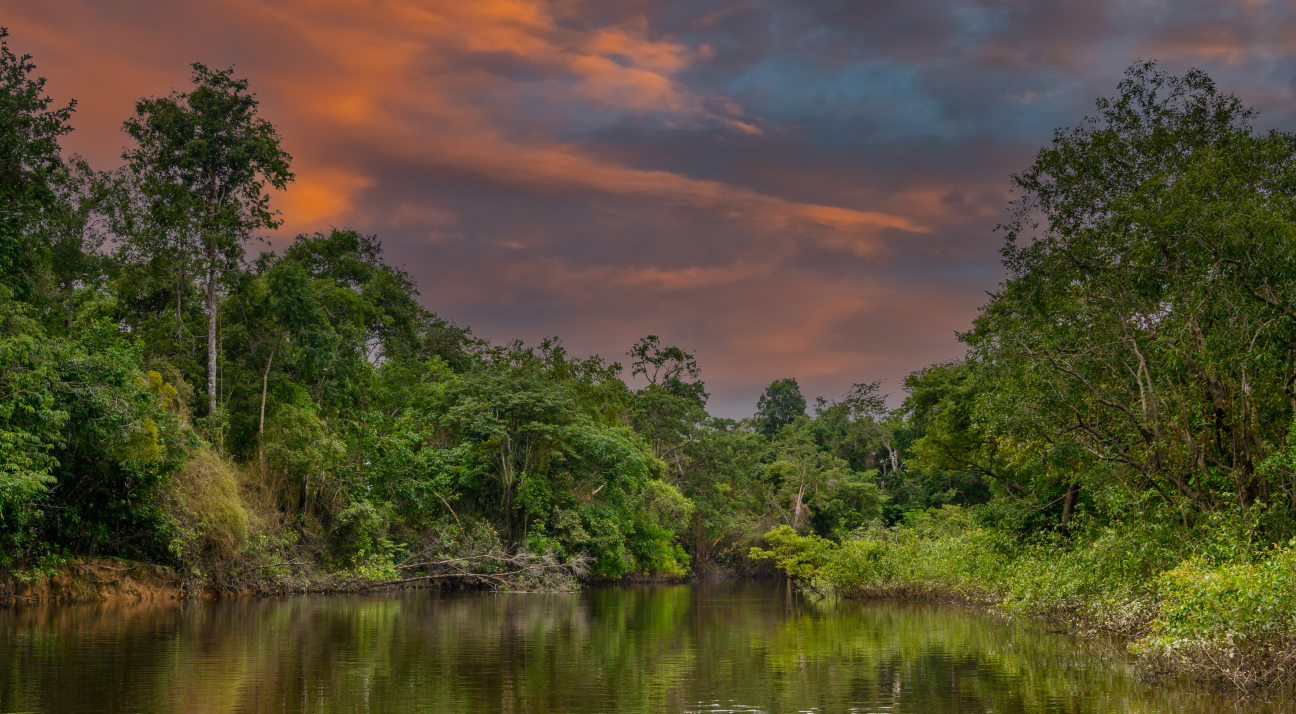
{"x":736,"y":646}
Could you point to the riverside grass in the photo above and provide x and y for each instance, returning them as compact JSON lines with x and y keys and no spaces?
{"x":1182,"y":603}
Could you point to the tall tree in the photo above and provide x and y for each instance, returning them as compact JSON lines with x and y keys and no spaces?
{"x":1148,"y":316}
{"x":29,"y":153}
{"x":203,"y":160}
{"x":780,"y":405}
{"x":673,"y":403}
{"x":866,"y":404}
{"x":290,"y":313}
{"x":76,"y":229}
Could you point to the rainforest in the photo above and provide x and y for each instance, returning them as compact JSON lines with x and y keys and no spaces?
{"x":1114,"y":452}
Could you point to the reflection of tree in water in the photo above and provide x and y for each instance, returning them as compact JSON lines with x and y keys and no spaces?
{"x":627,"y":649}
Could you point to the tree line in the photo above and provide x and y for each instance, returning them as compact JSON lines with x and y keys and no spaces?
{"x":167,"y":395}
{"x":171,"y":396}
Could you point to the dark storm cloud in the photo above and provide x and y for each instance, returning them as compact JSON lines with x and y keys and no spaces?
{"x":791,"y":188}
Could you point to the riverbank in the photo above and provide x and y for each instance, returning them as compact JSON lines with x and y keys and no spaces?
{"x":90,"y":580}
{"x":104,"y":580}
{"x":1181,"y":605}
{"x":93,"y":580}
{"x":1180,"y":608}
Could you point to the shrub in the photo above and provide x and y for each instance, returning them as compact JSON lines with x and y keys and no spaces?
{"x":358,"y":532}
{"x":1095,"y":580}
{"x":86,"y":446}
{"x":1237,"y":620}
{"x":205,"y":503}
{"x":935,"y":553}
{"x":800,"y":556}
{"x":299,"y":453}
{"x":1099,"y":579}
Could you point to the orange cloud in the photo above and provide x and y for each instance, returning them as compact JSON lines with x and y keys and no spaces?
{"x":398,"y":76}
{"x":374,"y":95}
{"x":320,"y":196}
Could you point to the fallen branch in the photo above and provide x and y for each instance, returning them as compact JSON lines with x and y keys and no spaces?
{"x":520,"y":571}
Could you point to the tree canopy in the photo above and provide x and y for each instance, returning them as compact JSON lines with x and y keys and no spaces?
{"x":780,"y":405}
{"x":29,"y":156}
{"x":202,"y":162}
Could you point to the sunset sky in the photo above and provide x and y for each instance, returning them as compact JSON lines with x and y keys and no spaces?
{"x":789,"y":188}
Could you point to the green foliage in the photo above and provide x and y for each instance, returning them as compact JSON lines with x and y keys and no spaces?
{"x":1235,"y":620}
{"x":802,"y":557}
{"x":936,"y":553}
{"x":719,"y":469}
{"x":802,"y":471}
{"x":1233,"y":606}
{"x":1099,"y":578}
{"x":31,"y":422}
{"x":668,"y":410}
{"x":1146,"y":322}
{"x":205,"y":157}
{"x":300,"y":451}
{"x":87,"y":443}
{"x":359,"y":533}
{"x":1185,"y":602}
{"x":202,"y":161}
{"x":211,"y":519}
{"x":29,"y":156}
{"x":848,"y":502}
{"x":780,"y":405}
{"x":75,"y":227}
{"x":941,"y":402}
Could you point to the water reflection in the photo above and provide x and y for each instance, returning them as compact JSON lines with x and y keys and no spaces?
{"x":711,"y":647}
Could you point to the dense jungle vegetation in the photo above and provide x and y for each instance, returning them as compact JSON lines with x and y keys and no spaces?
{"x":1113,"y":451}
{"x":172,"y":394}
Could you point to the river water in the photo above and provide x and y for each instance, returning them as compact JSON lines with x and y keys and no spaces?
{"x":727,"y":646}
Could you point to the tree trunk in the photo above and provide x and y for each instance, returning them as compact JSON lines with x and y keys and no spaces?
{"x":1068,"y":506}
{"x":506,"y":473}
{"x":211,"y":331}
{"x":798,"y":508}
{"x":265,"y":381}
{"x":700,"y":550}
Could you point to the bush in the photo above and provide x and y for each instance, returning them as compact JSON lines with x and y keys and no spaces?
{"x":802,"y":557}
{"x":1099,"y":580}
{"x":1231,"y":619}
{"x":358,"y":532}
{"x":936,"y":553}
{"x":205,"y":503}
{"x":1237,"y":620}
{"x":86,"y":445}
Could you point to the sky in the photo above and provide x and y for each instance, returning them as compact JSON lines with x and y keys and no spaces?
{"x":786,"y":188}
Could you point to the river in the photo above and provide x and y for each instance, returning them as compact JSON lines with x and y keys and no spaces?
{"x":725,"y":646}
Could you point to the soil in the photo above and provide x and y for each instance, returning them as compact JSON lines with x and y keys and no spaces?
{"x":95,"y":580}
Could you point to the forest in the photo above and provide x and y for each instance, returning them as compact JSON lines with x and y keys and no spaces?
{"x":173,"y":395}
{"x":1114,"y":451}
